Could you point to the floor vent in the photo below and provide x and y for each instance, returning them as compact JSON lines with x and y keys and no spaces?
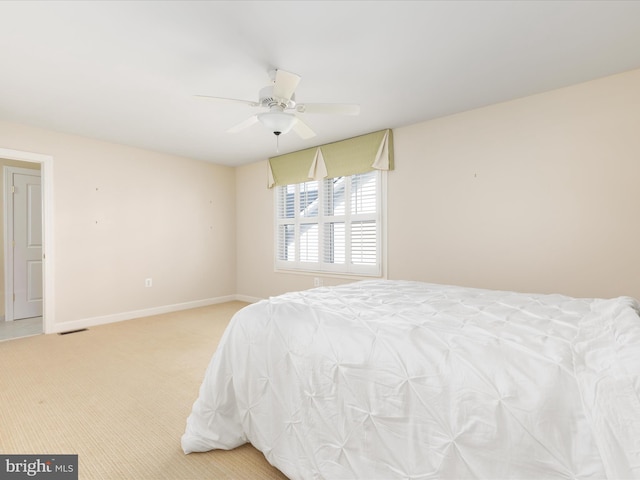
{"x":72,"y":331}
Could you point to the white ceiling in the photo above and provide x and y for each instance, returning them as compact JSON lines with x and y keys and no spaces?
{"x":127,"y":71}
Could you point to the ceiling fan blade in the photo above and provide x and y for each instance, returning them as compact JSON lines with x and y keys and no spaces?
{"x":285,"y":84}
{"x":246,"y":102}
{"x":332,"y":108}
{"x":245,"y":124}
{"x":303,"y":130}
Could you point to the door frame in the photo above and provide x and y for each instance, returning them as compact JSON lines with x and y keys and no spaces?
{"x":48,"y":264}
{"x":9,"y":213}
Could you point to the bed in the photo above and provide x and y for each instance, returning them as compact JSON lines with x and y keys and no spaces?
{"x":385,"y":379}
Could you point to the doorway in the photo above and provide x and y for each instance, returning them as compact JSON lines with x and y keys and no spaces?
{"x":37,"y":272}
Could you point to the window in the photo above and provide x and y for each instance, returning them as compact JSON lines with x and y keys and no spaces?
{"x":331,"y":225}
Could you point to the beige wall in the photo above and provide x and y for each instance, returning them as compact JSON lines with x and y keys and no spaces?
{"x":122,"y":215}
{"x":537,"y":194}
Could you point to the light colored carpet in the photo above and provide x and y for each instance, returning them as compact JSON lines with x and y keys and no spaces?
{"x":118,"y":395}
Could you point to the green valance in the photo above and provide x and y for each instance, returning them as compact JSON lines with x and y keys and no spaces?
{"x":373,"y":151}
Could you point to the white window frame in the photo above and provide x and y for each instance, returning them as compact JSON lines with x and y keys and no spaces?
{"x":339,"y":269}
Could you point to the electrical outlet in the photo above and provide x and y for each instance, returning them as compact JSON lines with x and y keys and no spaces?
{"x":148,"y":282}
{"x":317,"y":282}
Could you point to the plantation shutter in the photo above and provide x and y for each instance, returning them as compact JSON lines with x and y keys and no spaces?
{"x":285,"y":223}
{"x":334,"y":246}
{"x":330,"y":225}
{"x":364,"y":230}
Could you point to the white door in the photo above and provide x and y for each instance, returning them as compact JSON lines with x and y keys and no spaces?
{"x":27,"y":252}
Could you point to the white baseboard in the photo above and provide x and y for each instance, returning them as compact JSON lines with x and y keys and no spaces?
{"x":248,"y":299}
{"x":147,"y":312}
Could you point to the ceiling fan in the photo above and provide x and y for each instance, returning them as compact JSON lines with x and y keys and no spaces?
{"x":280,"y":100}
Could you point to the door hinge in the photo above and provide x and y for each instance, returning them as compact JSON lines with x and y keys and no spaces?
{"x":13,"y":189}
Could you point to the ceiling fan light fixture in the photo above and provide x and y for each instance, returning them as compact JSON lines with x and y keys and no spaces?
{"x":277,"y":122}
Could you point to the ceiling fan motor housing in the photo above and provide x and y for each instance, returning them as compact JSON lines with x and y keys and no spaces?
{"x":267,"y":99}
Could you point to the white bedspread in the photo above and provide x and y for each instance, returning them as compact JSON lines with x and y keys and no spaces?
{"x":398,"y":379}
